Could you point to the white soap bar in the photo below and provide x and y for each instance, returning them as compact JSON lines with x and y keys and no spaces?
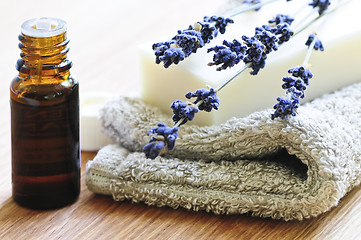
{"x":338,"y":66}
{"x":91,"y":136}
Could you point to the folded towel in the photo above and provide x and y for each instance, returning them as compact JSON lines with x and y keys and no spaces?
{"x":283,"y":169}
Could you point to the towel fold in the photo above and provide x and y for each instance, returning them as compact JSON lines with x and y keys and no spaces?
{"x":283,"y":169}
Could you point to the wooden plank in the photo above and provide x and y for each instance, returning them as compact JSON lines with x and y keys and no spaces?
{"x":100,"y":217}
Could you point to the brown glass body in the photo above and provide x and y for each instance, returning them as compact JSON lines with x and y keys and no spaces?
{"x":45,"y":125}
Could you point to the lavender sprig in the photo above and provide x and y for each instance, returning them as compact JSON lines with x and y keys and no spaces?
{"x":188,"y":41}
{"x":165,"y":137}
{"x":254,"y":50}
{"x":296,"y":84}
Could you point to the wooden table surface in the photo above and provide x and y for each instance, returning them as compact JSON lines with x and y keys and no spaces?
{"x":104,"y":36}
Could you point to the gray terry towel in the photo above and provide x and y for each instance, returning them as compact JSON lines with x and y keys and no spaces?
{"x":283,"y":169}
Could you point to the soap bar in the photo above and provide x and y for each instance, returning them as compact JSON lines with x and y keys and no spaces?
{"x":336,"y":67}
{"x":91,"y":136}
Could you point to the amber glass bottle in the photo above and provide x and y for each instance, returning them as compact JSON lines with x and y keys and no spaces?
{"x":44,"y":119}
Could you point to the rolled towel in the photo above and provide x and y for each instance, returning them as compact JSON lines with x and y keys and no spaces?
{"x":283,"y":169}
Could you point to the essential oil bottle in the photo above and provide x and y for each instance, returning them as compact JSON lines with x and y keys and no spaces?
{"x":44,"y":100}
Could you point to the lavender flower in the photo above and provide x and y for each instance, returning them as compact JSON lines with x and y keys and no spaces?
{"x":321,"y":4}
{"x":165,"y":138}
{"x":296,"y":86}
{"x":208,"y":99}
{"x":160,"y":48}
{"x":172,"y":55}
{"x":304,"y":74}
{"x":153,"y":148}
{"x":208,"y":31}
{"x":281,"y":18}
{"x":228,"y":55}
{"x":219,"y":22}
{"x":266,"y":39}
{"x":235,"y":46}
{"x":295,"y":93}
{"x":269,"y":39}
{"x":292,"y":81}
{"x":318,"y":44}
{"x":284,"y":108}
{"x":225,"y":57}
{"x":183,"y":110}
{"x":189,"y":40}
{"x":259,"y":30}
{"x":284,"y":32}
{"x":255,"y":54}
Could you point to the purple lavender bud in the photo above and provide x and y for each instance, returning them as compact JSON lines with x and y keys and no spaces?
{"x":252,"y":2}
{"x":235,"y":46}
{"x":295,"y":82}
{"x":259,"y":30}
{"x":183,"y":110}
{"x":295,"y":93}
{"x":208,"y":31}
{"x":209,"y":99}
{"x":165,"y":138}
{"x":257,"y":66}
{"x":160,"y":48}
{"x":285,"y":108}
{"x":189,"y":41}
{"x":255,"y":54}
{"x":295,"y":85}
{"x":171,"y":55}
{"x":304,"y":74}
{"x":219,"y":22}
{"x":318,"y":44}
{"x":321,"y":4}
{"x":268,"y":39}
{"x":281,"y":18}
{"x":228,"y":55}
{"x":225,"y":57}
{"x":153,"y":148}
{"x":255,"y":50}
{"x":283,"y":32}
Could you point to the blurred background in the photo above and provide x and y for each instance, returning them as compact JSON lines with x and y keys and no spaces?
{"x":102,"y":48}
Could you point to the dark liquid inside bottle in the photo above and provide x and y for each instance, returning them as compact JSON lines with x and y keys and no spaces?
{"x":45,"y":146}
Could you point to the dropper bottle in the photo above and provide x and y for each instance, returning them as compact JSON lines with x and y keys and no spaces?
{"x":44,"y":100}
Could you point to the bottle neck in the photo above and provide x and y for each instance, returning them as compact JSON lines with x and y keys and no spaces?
{"x":43,"y":56}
